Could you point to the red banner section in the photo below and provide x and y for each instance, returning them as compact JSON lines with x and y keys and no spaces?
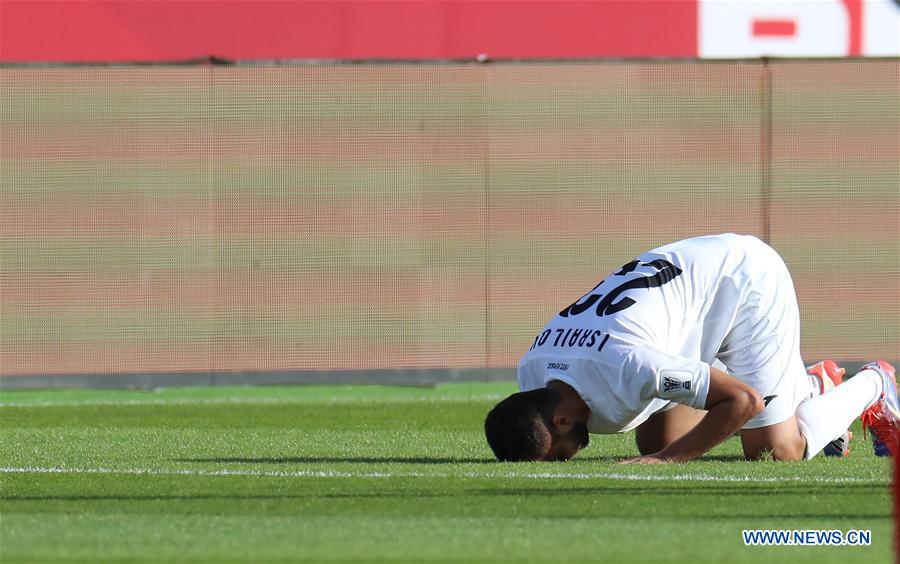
{"x":158,"y":30}
{"x":142,"y":30}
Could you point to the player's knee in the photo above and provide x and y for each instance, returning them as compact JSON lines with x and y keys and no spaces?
{"x":796,"y":451}
{"x":789,"y":450}
{"x":780,"y":441}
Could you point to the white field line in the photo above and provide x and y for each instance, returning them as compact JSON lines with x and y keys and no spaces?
{"x":340,"y":474}
{"x":232,"y":401}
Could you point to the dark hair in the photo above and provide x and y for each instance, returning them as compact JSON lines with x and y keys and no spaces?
{"x":519,"y":427}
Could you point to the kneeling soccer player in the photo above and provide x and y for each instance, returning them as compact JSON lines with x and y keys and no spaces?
{"x":688,"y":344}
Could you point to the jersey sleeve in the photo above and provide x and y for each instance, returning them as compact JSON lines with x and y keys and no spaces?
{"x":528,"y":376}
{"x":667,"y":377}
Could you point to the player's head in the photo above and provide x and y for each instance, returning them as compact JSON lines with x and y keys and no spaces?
{"x":529,"y":426}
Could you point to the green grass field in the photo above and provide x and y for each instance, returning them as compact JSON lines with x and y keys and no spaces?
{"x":364,"y":473}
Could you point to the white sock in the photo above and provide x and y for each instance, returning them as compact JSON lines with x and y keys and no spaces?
{"x":825,"y":417}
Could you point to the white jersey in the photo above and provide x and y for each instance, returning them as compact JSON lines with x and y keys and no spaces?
{"x":646,"y":335}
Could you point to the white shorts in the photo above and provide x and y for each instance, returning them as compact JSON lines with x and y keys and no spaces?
{"x":763,"y":347}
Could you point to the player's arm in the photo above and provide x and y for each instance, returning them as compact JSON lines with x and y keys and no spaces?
{"x":730,"y":403}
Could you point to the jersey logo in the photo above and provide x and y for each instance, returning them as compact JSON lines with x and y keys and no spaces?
{"x":671,"y":384}
{"x":767,"y":399}
{"x":676,"y":384}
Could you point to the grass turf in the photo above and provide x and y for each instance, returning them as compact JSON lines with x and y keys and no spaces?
{"x":385,"y":474}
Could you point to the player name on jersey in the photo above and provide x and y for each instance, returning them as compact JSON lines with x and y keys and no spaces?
{"x":571,"y":338}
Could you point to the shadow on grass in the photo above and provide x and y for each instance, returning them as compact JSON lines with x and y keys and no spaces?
{"x":550,"y":502}
{"x":724,"y":458}
{"x":406,"y":460}
{"x":700,"y":489}
{"x":337,"y":460}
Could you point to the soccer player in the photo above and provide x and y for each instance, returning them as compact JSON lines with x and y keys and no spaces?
{"x":688,"y":344}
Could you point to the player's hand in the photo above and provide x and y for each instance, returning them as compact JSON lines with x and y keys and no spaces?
{"x":649,"y":459}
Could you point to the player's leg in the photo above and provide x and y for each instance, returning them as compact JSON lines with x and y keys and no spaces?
{"x":799,"y":420}
{"x":818,"y":420}
{"x":665,"y":427}
{"x":822,"y":416}
{"x":825,"y":375}
{"x":784,"y":384}
{"x":763,"y":350}
{"x":786,"y":440}
{"x":781,"y":441}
